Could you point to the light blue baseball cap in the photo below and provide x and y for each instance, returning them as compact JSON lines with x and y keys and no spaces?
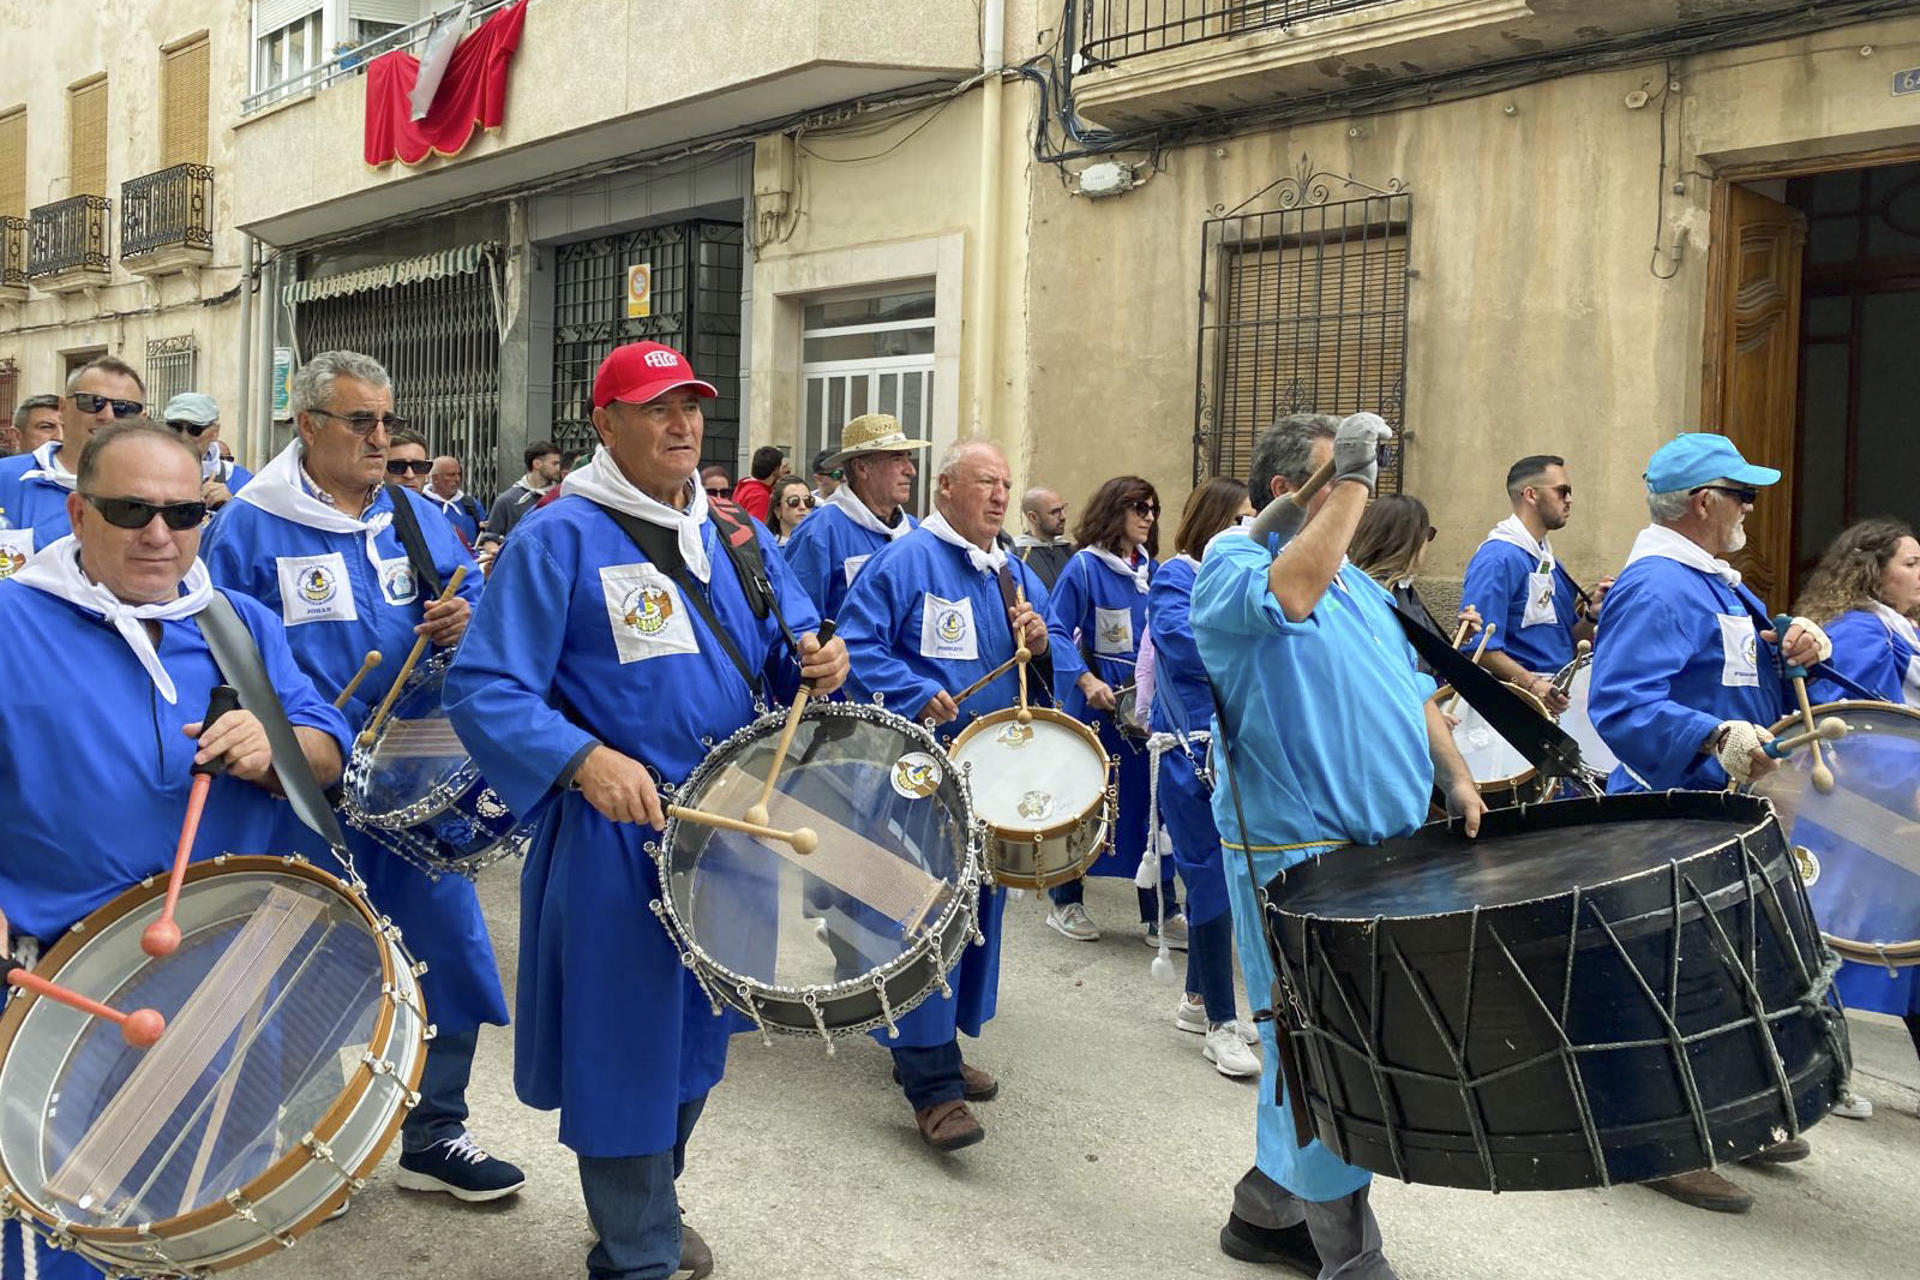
{"x":191,"y":406}
{"x":1695,"y":458}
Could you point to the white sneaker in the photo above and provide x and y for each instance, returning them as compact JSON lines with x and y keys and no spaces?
{"x":1229,"y":1053}
{"x":1191,"y":1015}
{"x":1248,"y":1033}
{"x":1853,"y":1106}
{"x":1176,"y":933}
{"x":1072,"y":921}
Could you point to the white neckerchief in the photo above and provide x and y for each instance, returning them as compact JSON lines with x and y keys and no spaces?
{"x":449,"y":505}
{"x":55,"y":569}
{"x":983,"y":561}
{"x":1511,"y":530}
{"x":1028,"y":540}
{"x":1119,"y":566}
{"x":602,"y":481}
{"x":1658,"y":540}
{"x":213,"y":466}
{"x":531,"y":483}
{"x":49,"y":467}
{"x":1902,"y":627}
{"x":279,"y":489}
{"x":861,"y":514}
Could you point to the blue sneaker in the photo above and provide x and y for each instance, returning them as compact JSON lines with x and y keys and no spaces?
{"x":461,"y":1169}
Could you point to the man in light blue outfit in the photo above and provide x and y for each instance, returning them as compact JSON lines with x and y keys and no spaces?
{"x":863,"y":515}
{"x":1329,"y":739}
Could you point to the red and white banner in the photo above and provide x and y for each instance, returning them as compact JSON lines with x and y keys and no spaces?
{"x":472,"y":94}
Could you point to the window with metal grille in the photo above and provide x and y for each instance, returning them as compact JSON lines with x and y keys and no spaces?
{"x":183,"y":97}
{"x":1303,"y":310}
{"x":13,"y":163}
{"x":440,"y":343}
{"x":694,"y":307}
{"x":170,"y":369}
{"x":87,"y":138}
{"x":868,"y":355}
{"x":9,"y":390}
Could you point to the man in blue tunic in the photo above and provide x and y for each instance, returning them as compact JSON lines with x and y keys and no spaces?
{"x":587,"y":680}
{"x":1688,"y":677}
{"x":34,"y":486}
{"x":1330,"y":740}
{"x":116,"y":599}
{"x":865,"y":513}
{"x":953,"y":563}
{"x":1520,"y":587}
{"x":318,"y":539}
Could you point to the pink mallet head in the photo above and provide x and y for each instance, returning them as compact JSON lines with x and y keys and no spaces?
{"x":143,"y":1027}
{"x":160,"y":939}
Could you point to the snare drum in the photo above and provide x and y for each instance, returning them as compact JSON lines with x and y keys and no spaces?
{"x":294,"y":1043}
{"x":1503,"y":775}
{"x":858,"y":932}
{"x":417,"y":792}
{"x":1045,"y":790}
{"x":1595,"y":755}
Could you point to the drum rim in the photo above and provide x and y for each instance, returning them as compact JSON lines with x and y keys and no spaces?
{"x":297,"y":1157}
{"x":963,"y":901}
{"x":440,"y":797}
{"x":1040,"y":835}
{"x":1852,"y":948}
{"x":1532,"y":770}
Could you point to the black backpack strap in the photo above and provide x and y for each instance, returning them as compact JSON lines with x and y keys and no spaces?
{"x":736,"y":528}
{"x":406,"y":523}
{"x":663,"y":549}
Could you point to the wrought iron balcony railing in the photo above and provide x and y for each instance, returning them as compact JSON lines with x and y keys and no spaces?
{"x":165,"y":210}
{"x":69,"y":235}
{"x":13,"y":252}
{"x":1114,"y":30}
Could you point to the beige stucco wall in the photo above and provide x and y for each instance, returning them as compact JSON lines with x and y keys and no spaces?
{"x":71,"y":42}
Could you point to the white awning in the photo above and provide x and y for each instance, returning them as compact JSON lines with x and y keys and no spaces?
{"x":432,"y":266}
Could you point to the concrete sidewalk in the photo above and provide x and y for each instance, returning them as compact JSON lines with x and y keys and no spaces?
{"x":1110,"y":1153}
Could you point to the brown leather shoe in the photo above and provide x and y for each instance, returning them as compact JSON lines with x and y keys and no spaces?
{"x":981,"y":1087}
{"x":949,"y":1126}
{"x":1705,"y":1189}
{"x":1782,"y":1152}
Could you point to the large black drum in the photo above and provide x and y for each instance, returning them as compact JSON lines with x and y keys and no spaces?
{"x":1600,"y":990}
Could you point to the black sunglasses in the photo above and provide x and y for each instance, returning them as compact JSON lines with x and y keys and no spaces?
{"x":719,"y":490}
{"x":400,"y":466}
{"x":131,"y":513}
{"x":797,"y":502}
{"x":194,"y":429}
{"x":362,"y":424}
{"x":1141,"y":507}
{"x":87,"y":402}
{"x":1746,"y":495}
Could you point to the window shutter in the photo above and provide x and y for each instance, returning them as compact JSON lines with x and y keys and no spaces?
{"x":13,"y":164}
{"x":87,"y":138}
{"x":184,"y":98}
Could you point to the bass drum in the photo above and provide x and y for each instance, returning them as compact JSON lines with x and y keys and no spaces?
{"x":1503,"y":775}
{"x":1857,"y":843}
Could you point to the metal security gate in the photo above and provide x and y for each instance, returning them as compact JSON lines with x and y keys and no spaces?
{"x":439,"y":338}
{"x":1303,"y":309}
{"x":692,"y":305}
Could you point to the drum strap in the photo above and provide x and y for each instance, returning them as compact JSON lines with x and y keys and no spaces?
{"x":1546,"y":747}
{"x":238,"y":658}
{"x":406,"y":523}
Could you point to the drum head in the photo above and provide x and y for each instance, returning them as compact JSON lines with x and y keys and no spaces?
{"x":1490,"y":758}
{"x":416,"y":766}
{"x":1861,"y":840}
{"x":273,"y":1001}
{"x":1595,"y":754}
{"x":1035,"y":777}
{"x":895,"y":865}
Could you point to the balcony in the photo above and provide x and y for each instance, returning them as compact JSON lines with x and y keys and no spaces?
{"x":13,"y":259}
{"x":68,"y":248}
{"x":166,"y":220}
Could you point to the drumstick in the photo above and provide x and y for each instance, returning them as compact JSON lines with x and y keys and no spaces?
{"x":1461,"y":633}
{"x":803,"y":839}
{"x":1564,"y":681}
{"x":141,"y":1028}
{"x":987,"y":679}
{"x":1822,"y":776}
{"x":162,"y":937}
{"x":757,"y":812}
{"x":1023,"y":656}
{"x":1486,"y":634}
{"x":406,"y":668}
{"x":367,"y":664}
{"x":1315,"y":483}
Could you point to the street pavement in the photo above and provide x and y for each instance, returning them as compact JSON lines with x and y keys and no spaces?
{"x":1111,"y":1153}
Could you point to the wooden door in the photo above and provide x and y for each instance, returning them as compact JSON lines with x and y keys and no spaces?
{"x":1753,"y":368}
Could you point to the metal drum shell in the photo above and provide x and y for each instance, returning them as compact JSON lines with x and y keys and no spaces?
{"x":1524,"y":788}
{"x":1050,"y":856}
{"x":1500,"y":1100}
{"x":297,"y":1191}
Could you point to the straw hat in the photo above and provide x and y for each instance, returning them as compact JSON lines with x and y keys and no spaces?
{"x":874,"y":433}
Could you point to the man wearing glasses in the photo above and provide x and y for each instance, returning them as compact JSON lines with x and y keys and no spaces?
{"x":34,"y":486}
{"x":408,"y":461}
{"x":196,"y":418}
{"x":867,"y":512}
{"x":1536,"y":610}
{"x":317,"y":538}
{"x":1044,"y":544}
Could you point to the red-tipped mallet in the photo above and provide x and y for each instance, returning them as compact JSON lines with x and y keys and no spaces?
{"x":162,"y":937}
{"x":141,"y":1028}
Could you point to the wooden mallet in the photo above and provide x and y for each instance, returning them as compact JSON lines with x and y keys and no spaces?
{"x":162,"y":937}
{"x":1822,"y":775}
{"x":420,"y":644}
{"x":757,"y":811}
{"x":141,"y":1028}
{"x":803,"y":839}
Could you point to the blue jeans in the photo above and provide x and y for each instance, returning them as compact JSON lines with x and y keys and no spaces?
{"x":442,"y":1113}
{"x":930,"y":1076}
{"x":1210,"y":965}
{"x":634,"y":1210}
{"x":1076,"y":891}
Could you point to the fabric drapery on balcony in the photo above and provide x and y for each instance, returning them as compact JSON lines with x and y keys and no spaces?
{"x":472,"y":95}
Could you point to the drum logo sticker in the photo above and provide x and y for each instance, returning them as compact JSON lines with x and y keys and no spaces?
{"x":916,"y":775}
{"x":315,"y":589}
{"x":946,"y":630}
{"x":397,"y":582}
{"x":645,"y":612}
{"x":1113,"y":632}
{"x":1807,"y":864}
{"x":1014,"y":734}
{"x":1035,"y":805}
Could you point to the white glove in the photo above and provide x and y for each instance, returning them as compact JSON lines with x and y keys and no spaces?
{"x":1356,"y":448}
{"x":1738,"y":741}
{"x":1819,"y":635}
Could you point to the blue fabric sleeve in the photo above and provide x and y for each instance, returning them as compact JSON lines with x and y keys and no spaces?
{"x":1066,"y":608}
{"x":810,"y":557}
{"x":1631,"y":702}
{"x":1231,"y":594}
{"x":1495,"y":585}
{"x":298,"y":696}
{"x":1862,"y":652}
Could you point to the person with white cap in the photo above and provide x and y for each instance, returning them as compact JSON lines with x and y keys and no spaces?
{"x":1688,"y":675}
{"x":866,"y":513}
{"x":196,"y":417}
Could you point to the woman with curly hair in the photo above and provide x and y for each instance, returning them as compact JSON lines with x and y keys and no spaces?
{"x":1098,"y":610}
{"x":1865,"y":592}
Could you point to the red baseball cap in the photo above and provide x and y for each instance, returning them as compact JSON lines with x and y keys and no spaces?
{"x":643,"y":371}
